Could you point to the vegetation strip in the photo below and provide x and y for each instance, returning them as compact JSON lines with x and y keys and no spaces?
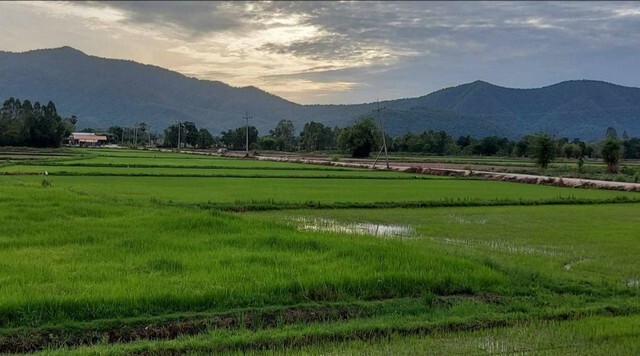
{"x":121,"y":331}
{"x":20,"y":340}
{"x":543,"y":180}
{"x":214,"y":167}
{"x":495,"y":176}
{"x":266,"y":205}
{"x":222,"y":175}
{"x":376,"y":333}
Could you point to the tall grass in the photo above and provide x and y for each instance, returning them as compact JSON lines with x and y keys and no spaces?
{"x":76,"y":258}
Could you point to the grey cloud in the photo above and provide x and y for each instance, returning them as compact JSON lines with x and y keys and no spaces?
{"x":424,"y":27}
{"x":434,"y":43}
{"x":193,"y":17}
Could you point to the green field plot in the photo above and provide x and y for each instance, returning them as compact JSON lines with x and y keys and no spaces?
{"x":165,"y":160}
{"x":24,"y":154}
{"x":240,"y":171}
{"x":117,"y":261}
{"x":536,"y":237}
{"x":335,"y":190}
{"x":133,"y":252}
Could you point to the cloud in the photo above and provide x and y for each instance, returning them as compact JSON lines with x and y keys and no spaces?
{"x":340,"y":51}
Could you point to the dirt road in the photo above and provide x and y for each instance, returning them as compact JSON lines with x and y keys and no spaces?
{"x":450,"y":169}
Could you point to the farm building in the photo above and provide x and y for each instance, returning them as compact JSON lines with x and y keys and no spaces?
{"x":86,"y":139}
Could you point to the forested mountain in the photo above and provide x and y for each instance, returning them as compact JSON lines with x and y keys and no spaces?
{"x":103,"y":92}
{"x":577,"y":108}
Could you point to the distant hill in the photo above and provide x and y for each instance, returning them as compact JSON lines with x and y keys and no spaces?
{"x":104,"y":92}
{"x":577,"y":108}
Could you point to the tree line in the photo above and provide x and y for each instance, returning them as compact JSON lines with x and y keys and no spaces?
{"x":25,"y":124}
{"x":360,"y":139}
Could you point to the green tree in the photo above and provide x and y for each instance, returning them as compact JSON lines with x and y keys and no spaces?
{"x":10,"y":123}
{"x":631,"y":148}
{"x":360,"y":139}
{"x":235,"y":138}
{"x":285,"y":136}
{"x":611,"y":152}
{"x":571,"y":150}
{"x":491,"y":145}
{"x":189,"y":133}
{"x":523,"y":147}
{"x":267,"y":143}
{"x":611,"y":133}
{"x":316,"y":136}
{"x":69,"y":124}
{"x":170,"y":136}
{"x":543,"y":150}
{"x":205,"y":139}
{"x":24,"y":124}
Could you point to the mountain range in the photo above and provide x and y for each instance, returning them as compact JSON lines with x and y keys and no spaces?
{"x":103,"y":92}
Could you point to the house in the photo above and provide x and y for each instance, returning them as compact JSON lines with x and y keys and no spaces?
{"x":86,"y":139}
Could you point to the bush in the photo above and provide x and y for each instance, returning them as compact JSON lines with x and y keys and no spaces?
{"x":543,"y":150}
{"x":620,"y":178}
{"x":359,"y":140}
{"x":611,"y":152}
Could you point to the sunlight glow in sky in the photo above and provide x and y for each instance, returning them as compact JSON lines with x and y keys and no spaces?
{"x":345,"y":52}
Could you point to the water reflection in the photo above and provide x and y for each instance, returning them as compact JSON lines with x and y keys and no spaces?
{"x":362,"y":228}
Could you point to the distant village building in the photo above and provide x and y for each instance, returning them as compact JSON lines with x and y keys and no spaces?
{"x":86,"y":139}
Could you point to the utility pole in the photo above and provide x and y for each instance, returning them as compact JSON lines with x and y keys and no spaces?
{"x":135,"y":136}
{"x":179,"y":124}
{"x":384,"y":139}
{"x":247,"y":117}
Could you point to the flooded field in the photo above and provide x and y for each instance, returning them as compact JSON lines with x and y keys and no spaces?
{"x":400,"y":232}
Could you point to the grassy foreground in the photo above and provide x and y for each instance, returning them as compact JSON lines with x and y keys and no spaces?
{"x":120,"y":264}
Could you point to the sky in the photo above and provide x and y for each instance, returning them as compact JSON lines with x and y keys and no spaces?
{"x":346,"y":52}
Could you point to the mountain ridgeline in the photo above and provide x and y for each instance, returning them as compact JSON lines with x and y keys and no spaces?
{"x":103,"y":92}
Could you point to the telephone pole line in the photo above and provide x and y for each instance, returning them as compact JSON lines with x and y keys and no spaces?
{"x":247,"y":117}
{"x":179,"y":124}
{"x":384,"y":139}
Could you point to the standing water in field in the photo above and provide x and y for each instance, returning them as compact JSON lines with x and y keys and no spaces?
{"x":364,"y":228}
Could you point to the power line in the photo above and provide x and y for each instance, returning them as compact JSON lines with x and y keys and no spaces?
{"x":179,"y":125}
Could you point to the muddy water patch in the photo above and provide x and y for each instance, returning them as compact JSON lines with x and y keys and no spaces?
{"x":401,"y":232}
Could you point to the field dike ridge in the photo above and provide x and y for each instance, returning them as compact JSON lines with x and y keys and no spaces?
{"x":212,"y":167}
{"x":74,"y":334}
{"x":271,"y":205}
{"x":505,"y":177}
{"x":168,"y":328}
{"x":376,"y":333}
{"x":213,"y":175}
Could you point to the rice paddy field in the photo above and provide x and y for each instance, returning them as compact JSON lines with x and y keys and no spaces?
{"x":146,"y":252}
